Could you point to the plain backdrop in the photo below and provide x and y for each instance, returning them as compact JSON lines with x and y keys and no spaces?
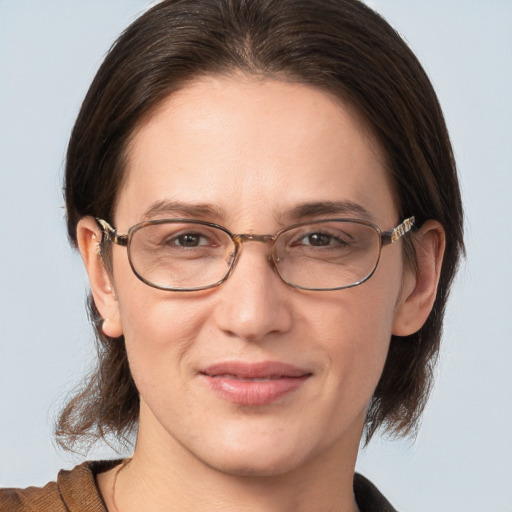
{"x":49,"y":51}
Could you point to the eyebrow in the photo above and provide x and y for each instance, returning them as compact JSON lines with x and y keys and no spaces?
{"x":318,"y":208}
{"x":174,"y":208}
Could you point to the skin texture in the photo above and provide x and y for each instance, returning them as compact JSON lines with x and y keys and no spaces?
{"x":254,"y":150}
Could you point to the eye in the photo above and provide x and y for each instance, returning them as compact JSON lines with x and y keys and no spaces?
{"x":178,"y":237}
{"x":189,"y":240}
{"x":319,"y":239}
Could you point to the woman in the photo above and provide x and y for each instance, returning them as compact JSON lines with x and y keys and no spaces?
{"x":265,"y":200}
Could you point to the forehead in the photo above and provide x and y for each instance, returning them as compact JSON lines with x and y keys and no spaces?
{"x":248,"y":147}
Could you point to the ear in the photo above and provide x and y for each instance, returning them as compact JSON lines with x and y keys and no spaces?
{"x":88,"y":238}
{"x":420,"y":288}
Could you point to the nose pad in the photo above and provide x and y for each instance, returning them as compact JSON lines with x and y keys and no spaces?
{"x":273,"y":261}
{"x":231,"y":258}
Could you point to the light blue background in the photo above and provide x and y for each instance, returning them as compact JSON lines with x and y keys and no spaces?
{"x":49,"y":51}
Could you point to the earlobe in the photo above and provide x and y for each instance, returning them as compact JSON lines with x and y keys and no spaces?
{"x":420,"y":289}
{"x":88,"y":239}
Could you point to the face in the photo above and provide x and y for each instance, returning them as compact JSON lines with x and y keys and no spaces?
{"x":246,"y":154}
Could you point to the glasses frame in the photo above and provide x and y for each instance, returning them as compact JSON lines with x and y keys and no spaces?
{"x":110,"y":235}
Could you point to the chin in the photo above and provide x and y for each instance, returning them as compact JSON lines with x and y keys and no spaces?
{"x":255,"y":460}
{"x":255,"y":468}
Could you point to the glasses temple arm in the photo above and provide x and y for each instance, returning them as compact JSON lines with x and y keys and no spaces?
{"x":393,"y":235}
{"x":110,"y":234}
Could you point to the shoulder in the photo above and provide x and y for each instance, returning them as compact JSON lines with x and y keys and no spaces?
{"x":368,"y":497}
{"x":32,"y":499}
{"x":74,"y":491}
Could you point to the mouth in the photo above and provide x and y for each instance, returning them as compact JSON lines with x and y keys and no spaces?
{"x":254,"y":383}
{"x":245,"y":379}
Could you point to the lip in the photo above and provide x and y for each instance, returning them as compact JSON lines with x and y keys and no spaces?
{"x":259,"y":383}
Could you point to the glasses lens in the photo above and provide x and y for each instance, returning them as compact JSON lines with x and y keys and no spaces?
{"x":181,"y":255}
{"x":327,"y":255}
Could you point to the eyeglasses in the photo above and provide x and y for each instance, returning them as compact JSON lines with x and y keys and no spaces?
{"x":190,"y":255}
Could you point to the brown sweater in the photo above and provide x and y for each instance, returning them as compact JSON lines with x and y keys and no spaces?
{"x":76,"y":491}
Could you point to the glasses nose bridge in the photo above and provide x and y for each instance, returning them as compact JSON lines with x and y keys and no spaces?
{"x":250,"y":237}
{"x":242,"y":238}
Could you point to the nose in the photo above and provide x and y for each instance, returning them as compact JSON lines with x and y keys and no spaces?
{"x":254,"y":302}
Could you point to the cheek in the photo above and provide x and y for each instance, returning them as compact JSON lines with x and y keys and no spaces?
{"x":159,"y":331}
{"x":356,"y":330}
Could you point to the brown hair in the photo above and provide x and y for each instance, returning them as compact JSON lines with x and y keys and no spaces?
{"x":341,"y":46}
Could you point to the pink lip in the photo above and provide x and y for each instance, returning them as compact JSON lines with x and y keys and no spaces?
{"x":254,"y":383}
